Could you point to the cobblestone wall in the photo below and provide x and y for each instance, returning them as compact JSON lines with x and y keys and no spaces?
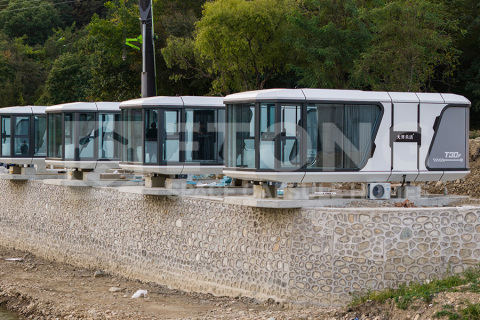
{"x":314,"y":255}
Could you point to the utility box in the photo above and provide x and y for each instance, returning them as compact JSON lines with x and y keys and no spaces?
{"x":378,"y":191}
{"x":409,"y":192}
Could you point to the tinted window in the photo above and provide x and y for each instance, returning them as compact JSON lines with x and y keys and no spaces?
{"x":241,"y":136}
{"x":449,"y":148}
{"x":340,"y":136}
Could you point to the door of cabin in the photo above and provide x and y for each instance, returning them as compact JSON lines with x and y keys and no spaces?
{"x":405,"y":141}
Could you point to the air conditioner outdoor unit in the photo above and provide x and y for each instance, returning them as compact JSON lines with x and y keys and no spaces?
{"x":378,"y":191}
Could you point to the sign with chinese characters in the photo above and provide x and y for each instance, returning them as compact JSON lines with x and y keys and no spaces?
{"x":399,"y":136}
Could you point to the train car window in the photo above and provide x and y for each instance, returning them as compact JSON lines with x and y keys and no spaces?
{"x":449,"y":147}
{"x":6,"y":136}
{"x":340,"y":136}
{"x":87,"y":136}
{"x":220,"y":121}
{"x":55,"y":135}
{"x":241,"y":136}
{"x":133,"y":134}
{"x":22,"y":136}
{"x":151,"y":136}
{"x":290,"y":137}
{"x":69,"y":133}
{"x":107,"y":136}
{"x":200,"y":135}
{"x":40,"y":135}
{"x":267,"y":136}
{"x":171,"y":136}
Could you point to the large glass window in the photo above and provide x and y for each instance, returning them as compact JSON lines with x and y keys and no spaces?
{"x":55,"y":135}
{"x":108,"y":136}
{"x":125,"y":152}
{"x":86,"y":148}
{"x":22,"y":137}
{"x":78,"y":136}
{"x":267,"y":136}
{"x":69,"y":136}
{"x":200,"y":136}
{"x":340,"y":136}
{"x":6,"y":136}
{"x":171,"y":136}
{"x":40,"y":135}
{"x":151,"y":136}
{"x":133,"y":133}
{"x":220,"y":134}
{"x":290,"y":136}
{"x":449,"y":147}
{"x":241,"y":136}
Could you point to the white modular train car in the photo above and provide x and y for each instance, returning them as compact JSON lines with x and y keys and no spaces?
{"x":173,"y":135}
{"x":84,"y":135}
{"x":320,"y":135}
{"x":24,"y":135}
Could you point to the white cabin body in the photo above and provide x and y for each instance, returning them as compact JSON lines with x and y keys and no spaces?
{"x":23,"y":135}
{"x":321,"y":135}
{"x":174,"y":135}
{"x":84,"y":135}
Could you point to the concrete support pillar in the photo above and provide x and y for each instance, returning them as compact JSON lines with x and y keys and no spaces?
{"x":28,"y":170}
{"x":40,"y":168}
{"x":76,"y":175}
{"x":409,"y":192}
{"x":175,"y":183}
{"x":21,"y":169}
{"x":15,"y":170}
{"x":155,"y":181}
{"x":164,"y":181}
{"x":263,"y":190}
{"x":293,"y":193}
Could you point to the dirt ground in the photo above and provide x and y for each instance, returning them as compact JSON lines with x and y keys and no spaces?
{"x":40,"y":289}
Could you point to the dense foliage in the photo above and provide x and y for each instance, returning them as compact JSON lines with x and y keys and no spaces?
{"x":55,"y":51}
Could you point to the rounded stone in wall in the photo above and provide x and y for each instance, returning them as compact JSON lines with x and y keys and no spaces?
{"x":458,"y":269}
{"x":465,"y":253}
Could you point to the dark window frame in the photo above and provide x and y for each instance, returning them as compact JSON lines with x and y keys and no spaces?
{"x":180,"y":136}
{"x":76,"y":133}
{"x":303,"y":142}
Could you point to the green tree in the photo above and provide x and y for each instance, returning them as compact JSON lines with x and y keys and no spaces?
{"x":188,"y":69}
{"x":244,"y":42}
{"x":24,"y":74}
{"x":332,"y":38}
{"x":468,"y":41}
{"x":82,"y":11}
{"x":115,"y":68}
{"x":468,"y":12}
{"x":68,"y":80}
{"x":36,"y":22}
{"x":178,"y":71}
{"x":410,"y":44}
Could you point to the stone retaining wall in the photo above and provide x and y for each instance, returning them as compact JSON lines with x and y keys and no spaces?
{"x":312,"y":255}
